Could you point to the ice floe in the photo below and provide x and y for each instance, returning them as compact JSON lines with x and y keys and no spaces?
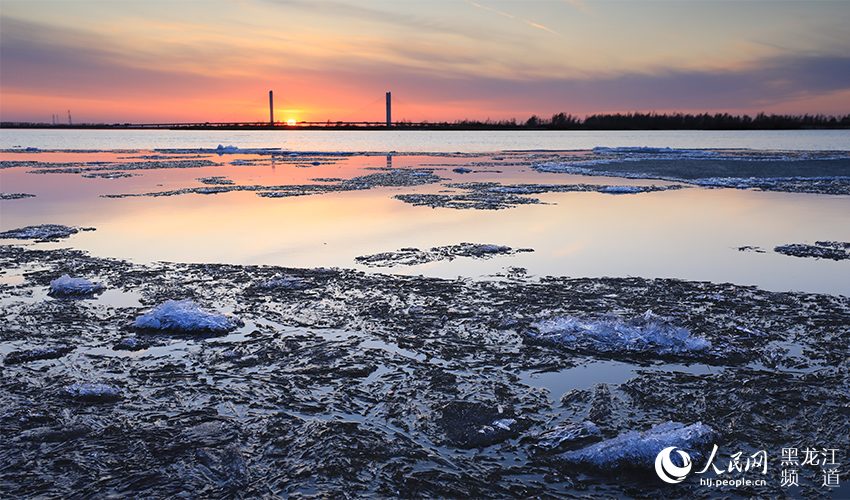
{"x":495,"y":196}
{"x":108,"y":175}
{"x":645,"y":334}
{"x":43,"y":232}
{"x":414,"y":256}
{"x":635,"y":449}
{"x":387,"y":178}
{"x":15,"y":196}
{"x":184,"y":316}
{"x":833,"y":250}
{"x":620,"y":189}
{"x":750,"y":248}
{"x":821,"y":172}
{"x":654,"y":152}
{"x":66,"y":286}
{"x":216,"y":180}
{"x":106,"y":170}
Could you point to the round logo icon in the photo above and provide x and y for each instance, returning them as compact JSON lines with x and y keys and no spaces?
{"x":667,"y":470}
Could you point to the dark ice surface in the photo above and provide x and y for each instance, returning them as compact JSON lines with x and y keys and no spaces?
{"x":355,"y":384}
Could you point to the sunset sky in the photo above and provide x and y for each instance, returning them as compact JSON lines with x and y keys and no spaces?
{"x":215,"y":60}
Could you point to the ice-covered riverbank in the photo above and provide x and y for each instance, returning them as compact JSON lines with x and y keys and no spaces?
{"x":371,"y":384}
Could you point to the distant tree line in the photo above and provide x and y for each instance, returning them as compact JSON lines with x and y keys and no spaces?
{"x":558,"y":121}
{"x":652,"y":121}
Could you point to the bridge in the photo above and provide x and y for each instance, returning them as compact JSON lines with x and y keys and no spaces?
{"x":252,"y":125}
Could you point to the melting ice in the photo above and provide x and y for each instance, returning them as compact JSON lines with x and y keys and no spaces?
{"x":648,"y":333}
{"x":184,"y":316}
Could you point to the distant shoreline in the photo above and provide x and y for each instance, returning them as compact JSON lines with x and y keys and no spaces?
{"x":381,"y":128}
{"x":558,"y":121}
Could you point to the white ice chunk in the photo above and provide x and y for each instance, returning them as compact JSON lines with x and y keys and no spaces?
{"x":66,"y":286}
{"x":504,"y":423}
{"x":184,"y":316}
{"x":639,"y":449}
{"x":648,"y":333}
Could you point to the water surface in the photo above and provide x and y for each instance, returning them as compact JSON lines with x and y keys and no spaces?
{"x":429,"y":141}
{"x":692,"y":233}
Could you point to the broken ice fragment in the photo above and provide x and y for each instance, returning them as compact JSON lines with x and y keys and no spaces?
{"x":568,"y":434}
{"x":634,"y":449}
{"x":468,"y":424}
{"x":66,"y":286}
{"x":131,"y":344}
{"x":833,"y":250}
{"x":504,"y":423}
{"x":646,"y":334}
{"x":93,"y":392}
{"x":184,"y":316}
{"x":37,"y":354}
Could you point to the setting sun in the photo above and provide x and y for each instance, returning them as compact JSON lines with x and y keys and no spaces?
{"x":291,"y":122}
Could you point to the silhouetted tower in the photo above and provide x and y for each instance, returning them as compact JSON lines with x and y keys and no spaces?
{"x":389,"y":109}
{"x":69,"y":117}
{"x":271,"y":108}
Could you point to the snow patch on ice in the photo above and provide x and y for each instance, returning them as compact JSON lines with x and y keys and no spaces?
{"x":184,"y":316}
{"x":645,"y":334}
{"x":66,"y":286}
{"x":639,"y":449}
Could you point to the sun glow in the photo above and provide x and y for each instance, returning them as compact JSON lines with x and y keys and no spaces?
{"x":291,"y":122}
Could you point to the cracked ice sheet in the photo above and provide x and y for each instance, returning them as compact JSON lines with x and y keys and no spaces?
{"x":387,"y":372}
